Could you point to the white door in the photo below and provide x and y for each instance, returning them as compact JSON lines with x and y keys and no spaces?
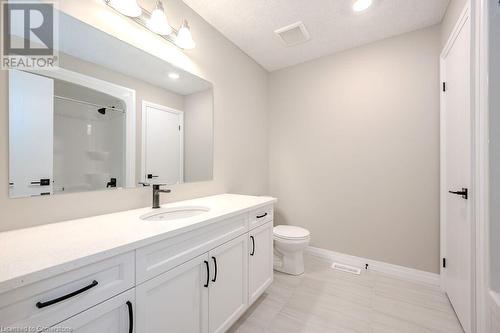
{"x":456,"y":175}
{"x":164,"y":153}
{"x":31,"y":134}
{"x":115,"y":315}
{"x":228,"y":292}
{"x":260,"y":265}
{"x":175,"y":301}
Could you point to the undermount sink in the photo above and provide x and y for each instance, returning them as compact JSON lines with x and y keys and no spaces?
{"x":177,"y":213}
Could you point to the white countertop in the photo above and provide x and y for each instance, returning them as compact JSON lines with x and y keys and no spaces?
{"x":33,"y":254}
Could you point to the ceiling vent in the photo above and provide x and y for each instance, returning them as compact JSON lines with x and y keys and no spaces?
{"x":293,"y":34}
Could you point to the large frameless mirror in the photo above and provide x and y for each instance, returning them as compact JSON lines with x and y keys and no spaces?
{"x":111,"y":116}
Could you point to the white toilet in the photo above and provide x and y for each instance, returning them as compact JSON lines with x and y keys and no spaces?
{"x":289,"y":245}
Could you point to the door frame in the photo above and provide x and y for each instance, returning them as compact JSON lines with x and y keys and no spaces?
{"x":487,"y":304}
{"x":463,"y":19}
{"x":122,"y":93}
{"x":145,"y":105}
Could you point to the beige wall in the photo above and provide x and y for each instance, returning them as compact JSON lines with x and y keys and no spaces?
{"x":354,"y":149}
{"x":198,"y":136}
{"x":240,"y":127}
{"x":453,"y":12}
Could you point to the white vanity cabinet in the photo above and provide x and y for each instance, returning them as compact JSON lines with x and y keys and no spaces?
{"x":260,"y":260}
{"x":175,"y":301}
{"x":228,"y":291}
{"x":115,"y":315}
{"x":205,"y":294}
{"x":55,"y":299}
{"x":197,"y":280}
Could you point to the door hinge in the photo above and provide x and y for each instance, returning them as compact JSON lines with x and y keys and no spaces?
{"x":444,"y":262}
{"x":444,"y":86}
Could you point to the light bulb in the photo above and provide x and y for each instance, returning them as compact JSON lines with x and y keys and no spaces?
{"x":184,"y":39}
{"x":174,"y":76}
{"x":361,"y":5}
{"x":126,"y":7}
{"x":158,"y":22}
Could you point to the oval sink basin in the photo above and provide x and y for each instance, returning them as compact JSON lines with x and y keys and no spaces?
{"x":177,"y":213}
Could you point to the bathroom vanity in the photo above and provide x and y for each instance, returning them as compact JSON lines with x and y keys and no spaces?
{"x":196,"y":266}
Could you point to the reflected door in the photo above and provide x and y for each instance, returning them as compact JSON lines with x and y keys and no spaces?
{"x":456,"y":150}
{"x":164,"y":145}
{"x":31,"y":134}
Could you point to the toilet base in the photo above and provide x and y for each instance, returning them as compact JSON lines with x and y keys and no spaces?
{"x":291,"y":263}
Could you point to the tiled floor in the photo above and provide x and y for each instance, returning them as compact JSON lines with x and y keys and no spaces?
{"x":323,"y":300}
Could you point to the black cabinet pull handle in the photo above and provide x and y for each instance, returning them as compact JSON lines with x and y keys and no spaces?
{"x":41,"y":305}
{"x":253,"y":245}
{"x":261,"y":216}
{"x":215,"y":265}
{"x":130,"y":317}
{"x":464,"y":193}
{"x":208,"y":274}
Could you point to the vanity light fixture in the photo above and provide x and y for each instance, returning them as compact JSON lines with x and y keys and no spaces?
{"x":184,"y":40}
{"x":361,"y":5}
{"x":128,"y":8}
{"x":156,"y":22}
{"x":173,"y":76}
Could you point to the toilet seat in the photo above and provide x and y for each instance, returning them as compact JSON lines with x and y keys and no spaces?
{"x":288,"y":232}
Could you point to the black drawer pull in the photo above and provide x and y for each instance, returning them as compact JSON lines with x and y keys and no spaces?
{"x":253,"y":245}
{"x":208,"y":274}
{"x":130,"y":317}
{"x":42,"y":305}
{"x":215,"y":265}
{"x":261,"y":216}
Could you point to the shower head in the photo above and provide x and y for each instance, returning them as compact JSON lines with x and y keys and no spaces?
{"x":102,"y":111}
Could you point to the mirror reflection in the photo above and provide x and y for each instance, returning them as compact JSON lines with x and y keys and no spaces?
{"x":100,"y":122}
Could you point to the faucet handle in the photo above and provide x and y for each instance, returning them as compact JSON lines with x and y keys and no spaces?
{"x":144,"y":184}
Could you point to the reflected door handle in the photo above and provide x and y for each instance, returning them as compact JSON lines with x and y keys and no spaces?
{"x":41,"y":182}
{"x":151,"y":176}
{"x":464,"y":193}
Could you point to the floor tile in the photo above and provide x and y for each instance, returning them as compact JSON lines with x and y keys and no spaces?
{"x":326,"y":300}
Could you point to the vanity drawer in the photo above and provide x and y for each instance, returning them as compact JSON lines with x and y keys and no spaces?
{"x":50,"y":301}
{"x":164,"y":255}
{"x":260,"y":216}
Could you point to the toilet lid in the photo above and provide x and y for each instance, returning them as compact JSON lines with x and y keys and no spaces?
{"x":290,"y":232}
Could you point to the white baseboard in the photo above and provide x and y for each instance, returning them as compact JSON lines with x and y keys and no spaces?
{"x":378,"y":266}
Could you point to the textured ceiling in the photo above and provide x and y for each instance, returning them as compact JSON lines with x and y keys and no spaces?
{"x":333,"y":25}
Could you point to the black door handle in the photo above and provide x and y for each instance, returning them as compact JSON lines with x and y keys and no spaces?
{"x":253,"y":245}
{"x":208,"y":274}
{"x":261,"y":216}
{"x":41,"y":305}
{"x":42,"y":182}
{"x":130,"y":317}
{"x":464,"y":193}
{"x":151,"y":176}
{"x":215,"y":265}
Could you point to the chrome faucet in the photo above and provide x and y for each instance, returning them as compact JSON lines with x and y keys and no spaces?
{"x":156,"y":194}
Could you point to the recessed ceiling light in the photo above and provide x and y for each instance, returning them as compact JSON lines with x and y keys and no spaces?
{"x":173,"y":76}
{"x":360,"y":5}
